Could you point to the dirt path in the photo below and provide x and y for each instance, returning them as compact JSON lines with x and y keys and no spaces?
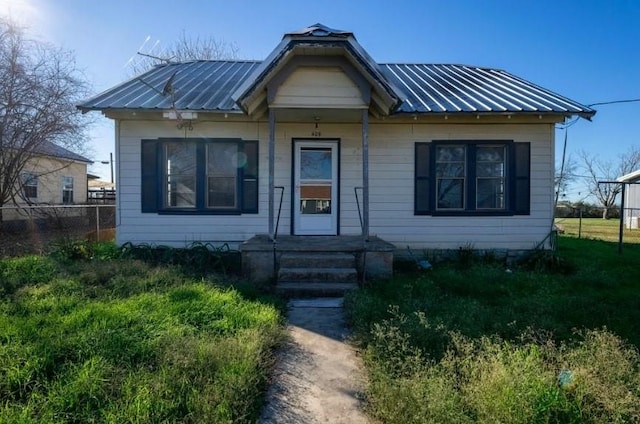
{"x":317,"y":378}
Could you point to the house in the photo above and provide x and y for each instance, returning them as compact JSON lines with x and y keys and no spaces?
{"x":54,"y":175}
{"x":319,"y":139}
{"x":631,"y":200}
{"x":51,"y":175}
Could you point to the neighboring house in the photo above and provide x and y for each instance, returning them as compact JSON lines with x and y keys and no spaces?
{"x":631,"y":206}
{"x":425,"y":156}
{"x":54,"y":175}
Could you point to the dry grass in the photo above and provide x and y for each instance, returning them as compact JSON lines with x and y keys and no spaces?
{"x":598,"y":229}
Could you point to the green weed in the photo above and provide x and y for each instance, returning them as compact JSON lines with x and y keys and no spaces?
{"x":482,"y":343}
{"x":105,"y":339}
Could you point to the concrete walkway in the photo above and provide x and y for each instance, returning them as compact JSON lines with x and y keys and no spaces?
{"x":318,"y":376}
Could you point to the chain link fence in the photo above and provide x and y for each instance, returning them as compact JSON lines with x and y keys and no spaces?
{"x":32,"y":229}
{"x":592,"y":226}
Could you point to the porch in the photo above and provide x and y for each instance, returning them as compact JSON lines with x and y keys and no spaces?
{"x":322,"y":264}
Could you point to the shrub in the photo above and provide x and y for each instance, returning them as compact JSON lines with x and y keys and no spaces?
{"x":481,"y":343}
{"x":490,"y":380}
{"x":21,"y":271}
{"x":196,"y":259}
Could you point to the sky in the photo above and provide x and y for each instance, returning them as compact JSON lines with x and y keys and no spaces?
{"x":586,"y":50}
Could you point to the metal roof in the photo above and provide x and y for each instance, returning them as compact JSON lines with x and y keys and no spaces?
{"x":197,"y":85}
{"x":426,"y":88}
{"x":319,"y":30}
{"x":49,"y":149}
{"x":461,"y":88}
{"x":630,"y":177}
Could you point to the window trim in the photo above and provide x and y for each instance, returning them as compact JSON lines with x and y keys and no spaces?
{"x":154,"y":177}
{"x":425,"y":179}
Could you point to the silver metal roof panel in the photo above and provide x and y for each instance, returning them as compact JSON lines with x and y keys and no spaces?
{"x":425,"y":89}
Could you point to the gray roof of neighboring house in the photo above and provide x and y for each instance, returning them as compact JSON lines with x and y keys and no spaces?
{"x":424,"y":88}
{"x":49,"y":149}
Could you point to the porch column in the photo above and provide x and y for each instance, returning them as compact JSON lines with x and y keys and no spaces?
{"x":272,"y":161}
{"x":365,"y":173}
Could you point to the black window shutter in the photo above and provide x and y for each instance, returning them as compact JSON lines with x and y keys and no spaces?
{"x":522,"y":179}
{"x":250,"y":178}
{"x":422,"y":199}
{"x":150,"y":176}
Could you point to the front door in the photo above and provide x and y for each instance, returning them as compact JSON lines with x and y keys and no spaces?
{"x":315,"y":182}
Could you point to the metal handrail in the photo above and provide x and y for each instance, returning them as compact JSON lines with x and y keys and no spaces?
{"x":275,"y":235}
{"x":281,"y":188}
{"x":355,"y":191}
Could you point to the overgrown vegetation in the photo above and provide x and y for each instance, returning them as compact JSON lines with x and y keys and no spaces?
{"x":473,"y":341}
{"x":86,"y":336}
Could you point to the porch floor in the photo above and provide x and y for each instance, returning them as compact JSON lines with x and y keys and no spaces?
{"x":317,"y":259}
{"x":347,"y":243}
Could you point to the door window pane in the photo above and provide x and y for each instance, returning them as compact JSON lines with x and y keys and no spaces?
{"x":315,"y":164}
{"x":315,"y":199}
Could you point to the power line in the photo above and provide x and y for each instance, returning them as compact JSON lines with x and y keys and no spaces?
{"x":614,"y":102}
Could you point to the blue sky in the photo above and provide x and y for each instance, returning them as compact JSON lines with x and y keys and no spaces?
{"x":586,"y":50}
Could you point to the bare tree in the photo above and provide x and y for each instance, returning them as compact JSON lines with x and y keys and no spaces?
{"x":565,"y":176}
{"x":184,"y":49}
{"x":39,"y":88}
{"x":600,"y":170}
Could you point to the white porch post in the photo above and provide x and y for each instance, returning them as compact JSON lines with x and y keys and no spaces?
{"x":365,"y":173}
{"x":272,"y":161}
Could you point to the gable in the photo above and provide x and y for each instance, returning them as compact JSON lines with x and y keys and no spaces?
{"x":318,"y":87}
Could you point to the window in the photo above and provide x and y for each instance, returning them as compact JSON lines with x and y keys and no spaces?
{"x":188,"y":176}
{"x":472,"y":178}
{"x":222,"y":165}
{"x":67,"y":190}
{"x":180,"y":174}
{"x":30,"y":185}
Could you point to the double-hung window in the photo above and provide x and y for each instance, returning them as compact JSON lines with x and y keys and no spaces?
{"x":467,"y":177}
{"x":67,"y":190}
{"x":179,"y":173}
{"x":30,"y":185}
{"x":200,"y":176}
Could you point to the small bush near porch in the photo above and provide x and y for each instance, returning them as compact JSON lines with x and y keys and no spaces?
{"x":102,"y":339}
{"x":470,"y":341}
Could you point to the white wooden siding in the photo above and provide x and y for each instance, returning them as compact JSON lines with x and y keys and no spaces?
{"x":391,"y":162}
{"x":309,"y":87}
{"x":632,"y":206}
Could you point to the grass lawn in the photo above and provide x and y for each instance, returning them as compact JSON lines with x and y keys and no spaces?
{"x":597,"y":228}
{"x":119,"y":340}
{"x":553,"y":341}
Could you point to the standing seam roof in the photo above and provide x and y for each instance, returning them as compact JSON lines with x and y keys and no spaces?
{"x":426,"y":88}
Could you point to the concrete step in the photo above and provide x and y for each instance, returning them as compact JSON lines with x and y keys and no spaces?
{"x":306,"y":289}
{"x":317,"y":260}
{"x":320,"y":275}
